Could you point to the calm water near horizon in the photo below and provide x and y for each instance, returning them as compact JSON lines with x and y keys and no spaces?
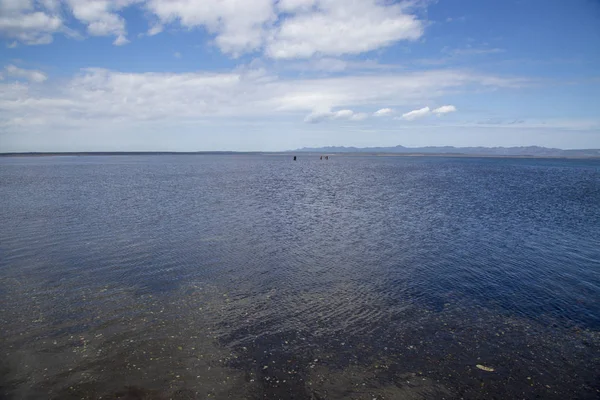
{"x":257,"y":277}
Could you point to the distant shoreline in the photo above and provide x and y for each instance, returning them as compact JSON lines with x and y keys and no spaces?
{"x":289,"y":153}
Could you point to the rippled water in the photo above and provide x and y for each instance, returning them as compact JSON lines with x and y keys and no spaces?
{"x":157,"y":277}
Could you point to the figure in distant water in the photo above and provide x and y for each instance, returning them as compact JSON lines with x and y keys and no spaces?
{"x":294,"y":158}
{"x":321,"y":158}
{"x":327,"y":157}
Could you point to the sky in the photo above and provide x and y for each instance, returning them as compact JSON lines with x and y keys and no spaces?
{"x":273,"y":75}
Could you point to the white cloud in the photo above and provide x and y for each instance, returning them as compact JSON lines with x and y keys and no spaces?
{"x":52,"y":5}
{"x":444,"y":110}
{"x":239,"y":25}
{"x":349,"y":115}
{"x":97,"y":98}
{"x":416,"y":114}
{"x":102,"y":17}
{"x":425,"y":111}
{"x":29,"y":74}
{"x":21,"y":21}
{"x":293,"y":28}
{"x":155,"y":30}
{"x":282,"y":29}
{"x":9,"y":6}
{"x":390,"y":89}
{"x":295,"y":5}
{"x":383,"y":112}
{"x":121,"y":40}
{"x":177,"y":54}
{"x":35,"y":22}
{"x":339,"y":27}
{"x":359,"y":116}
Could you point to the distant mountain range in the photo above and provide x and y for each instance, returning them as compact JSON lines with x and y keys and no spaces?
{"x":534,"y":151}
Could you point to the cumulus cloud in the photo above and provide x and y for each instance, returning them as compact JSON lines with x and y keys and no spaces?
{"x":288,"y":29}
{"x":238,"y":25}
{"x":29,"y":74}
{"x":102,"y":17}
{"x":282,"y":29}
{"x":21,"y":21}
{"x":36,"y":21}
{"x":337,"y":27}
{"x":383,"y":112}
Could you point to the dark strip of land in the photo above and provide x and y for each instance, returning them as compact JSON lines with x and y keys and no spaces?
{"x":303,"y":153}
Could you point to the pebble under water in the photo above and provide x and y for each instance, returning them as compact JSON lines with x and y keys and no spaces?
{"x":257,"y":277}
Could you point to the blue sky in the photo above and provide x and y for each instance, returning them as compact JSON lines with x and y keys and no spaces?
{"x":187,"y":75}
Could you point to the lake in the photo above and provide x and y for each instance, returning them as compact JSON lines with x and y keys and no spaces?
{"x":254,"y":276}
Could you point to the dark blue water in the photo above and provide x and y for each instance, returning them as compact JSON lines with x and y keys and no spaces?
{"x":259,"y":277}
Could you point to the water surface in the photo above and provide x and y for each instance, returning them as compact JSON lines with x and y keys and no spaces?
{"x":258,"y":277}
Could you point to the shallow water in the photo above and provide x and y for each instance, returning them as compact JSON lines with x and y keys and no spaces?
{"x":258,"y":277}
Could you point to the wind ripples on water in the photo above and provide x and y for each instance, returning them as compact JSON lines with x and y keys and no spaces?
{"x":175,"y":276}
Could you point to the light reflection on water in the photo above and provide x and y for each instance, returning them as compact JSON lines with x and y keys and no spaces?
{"x":256,"y":277}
